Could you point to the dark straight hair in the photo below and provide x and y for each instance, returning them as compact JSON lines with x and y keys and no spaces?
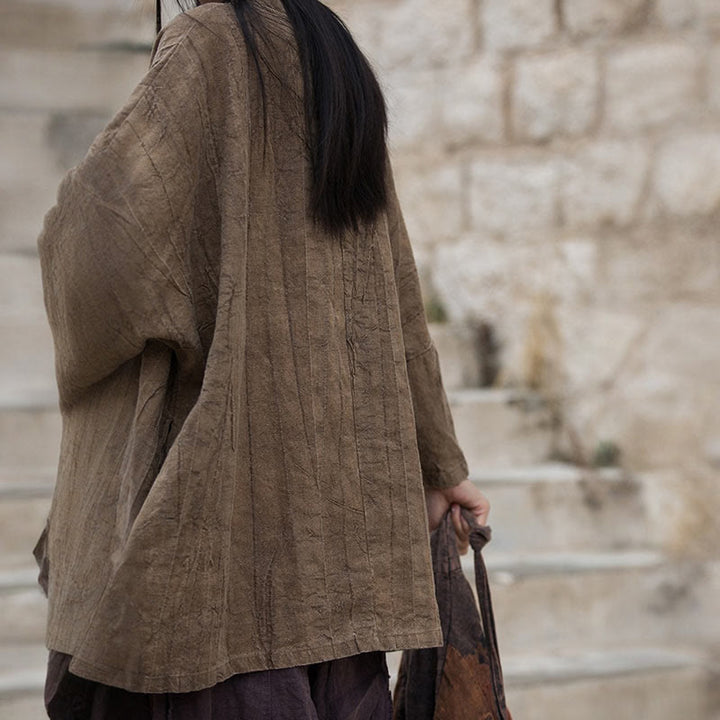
{"x":345,"y":114}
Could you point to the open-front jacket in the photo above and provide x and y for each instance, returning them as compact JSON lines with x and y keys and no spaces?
{"x":250,"y":409}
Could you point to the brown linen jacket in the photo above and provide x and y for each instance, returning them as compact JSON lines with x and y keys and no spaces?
{"x":250,"y":409}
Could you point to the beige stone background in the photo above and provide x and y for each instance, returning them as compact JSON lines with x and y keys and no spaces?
{"x":558,"y":162}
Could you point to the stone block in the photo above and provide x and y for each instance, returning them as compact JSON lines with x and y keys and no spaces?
{"x":687,"y":174}
{"x":603,"y":183}
{"x":676,"y":14}
{"x":555,"y":506}
{"x":413,"y":107}
{"x":513,"y":197}
{"x":650,"y":266}
{"x":457,"y":346}
{"x":29,"y":173}
{"x":662,"y":403}
{"x":555,"y":94}
{"x":30,"y":437}
{"x":46,"y":24}
{"x":498,"y":279}
{"x":56,"y":80}
{"x":590,"y":17}
{"x":27,"y":157}
{"x":23,"y":616}
{"x":23,"y":520}
{"x":629,"y":692}
{"x":496,"y":431}
{"x":21,"y":218}
{"x":471,"y":103}
{"x":103,"y":4}
{"x":20,"y":285}
{"x":682,"y":505}
{"x":518,"y":23}
{"x":70,"y":134}
{"x":27,"y":361}
{"x":425,"y":33}
{"x":572,"y":600}
{"x":363,"y":20}
{"x":577,"y":270}
{"x":519,"y":289}
{"x":714,"y":78}
{"x":651,"y":84}
{"x":709,"y":14}
{"x":431,"y":196}
{"x":685,"y":345}
{"x":22,"y":675}
{"x":38,"y":147}
{"x":24,"y":707}
{"x":597,"y":340}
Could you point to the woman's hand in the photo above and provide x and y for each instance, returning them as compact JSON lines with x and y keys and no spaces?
{"x":465,"y":494}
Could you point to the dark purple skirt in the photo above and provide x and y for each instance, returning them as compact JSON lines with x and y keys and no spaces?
{"x":350,"y":688}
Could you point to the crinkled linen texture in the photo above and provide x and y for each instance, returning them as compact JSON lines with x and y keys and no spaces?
{"x":250,"y":409}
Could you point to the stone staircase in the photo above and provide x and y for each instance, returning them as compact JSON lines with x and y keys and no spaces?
{"x":594,"y":621}
{"x":65,"y":68}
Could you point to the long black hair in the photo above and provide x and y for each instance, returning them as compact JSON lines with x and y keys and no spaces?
{"x":345,"y":113}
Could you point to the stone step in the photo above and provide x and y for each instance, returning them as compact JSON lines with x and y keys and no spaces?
{"x":662,"y":683}
{"x":24,"y":608}
{"x":24,"y":707}
{"x":38,"y":148}
{"x":458,"y":353}
{"x":559,"y":506}
{"x":30,"y":432}
{"x":29,"y":177}
{"x":599,"y":600}
{"x":22,"y":483}
{"x":22,"y":519}
{"x":566,"y":518}
{"x":21,"y":291}
{"x":53,"y":104}
{"x":21,"y":217}
{"x":626,"y":684}
{"x":30,"y":427}
{"x":22,"y":679}
{"x":548,"y":602}
{"x":27,"y":363}
{"x":501,"y":428}
{"x":27,"y":359}
{"x":25,"y":498}
{"x":543,"y":508}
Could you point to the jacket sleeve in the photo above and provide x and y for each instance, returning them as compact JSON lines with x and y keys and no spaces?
{"x":112,"y":248}
{"x":442,"y":460}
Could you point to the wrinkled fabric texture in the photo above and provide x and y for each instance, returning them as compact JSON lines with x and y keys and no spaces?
{"x":351,"y":688}
{"x":250,"y":409}
{"x":462,"y":679}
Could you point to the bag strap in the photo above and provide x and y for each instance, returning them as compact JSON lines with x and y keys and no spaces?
{"x":480,"y":535}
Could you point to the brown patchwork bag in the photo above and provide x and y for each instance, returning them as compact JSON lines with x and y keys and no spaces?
{"x":462,"y":679}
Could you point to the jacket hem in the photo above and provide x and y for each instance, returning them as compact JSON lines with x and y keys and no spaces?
{"x":248,"y":662}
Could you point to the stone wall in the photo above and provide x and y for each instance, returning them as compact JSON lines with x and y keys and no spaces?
{"x":558,"y":162}
{"x":559,"y":166}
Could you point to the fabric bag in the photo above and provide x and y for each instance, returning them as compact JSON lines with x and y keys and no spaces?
{"x":461,"y":679}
